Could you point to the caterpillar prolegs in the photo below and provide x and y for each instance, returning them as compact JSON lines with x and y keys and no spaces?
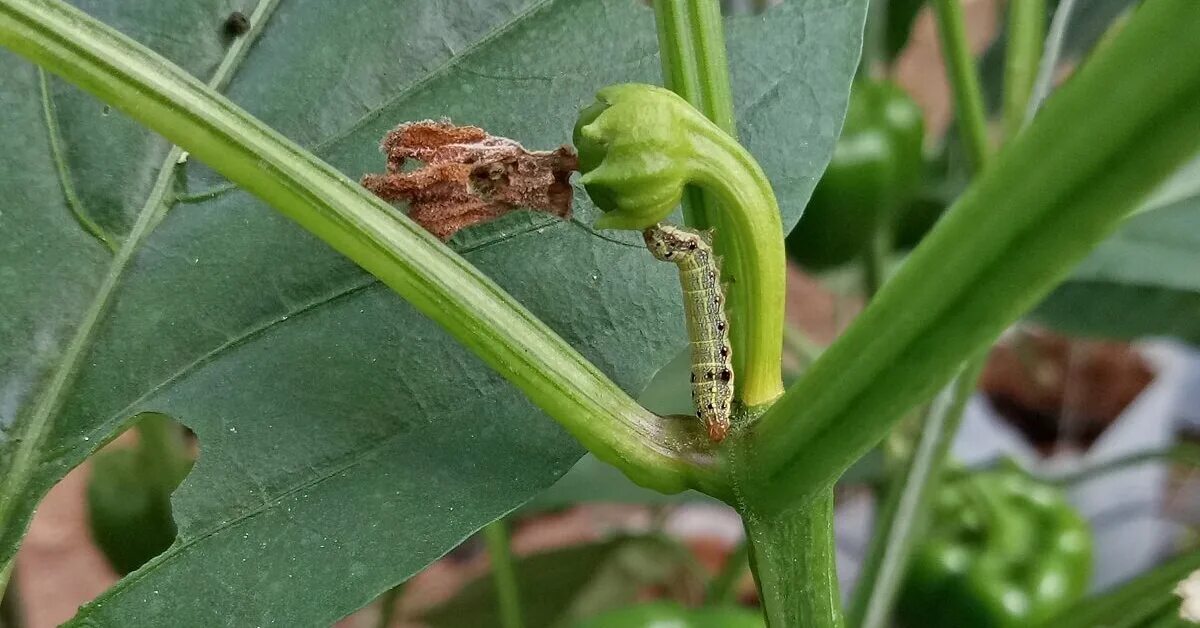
{"x":707,"y":326}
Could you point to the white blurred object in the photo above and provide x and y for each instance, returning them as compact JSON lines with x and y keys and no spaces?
{"x":1189,"y":594}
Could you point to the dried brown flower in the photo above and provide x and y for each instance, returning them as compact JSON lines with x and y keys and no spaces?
{"x":469,"y":177}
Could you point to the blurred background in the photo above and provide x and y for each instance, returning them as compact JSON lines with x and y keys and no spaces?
{"x":1109,"y":420}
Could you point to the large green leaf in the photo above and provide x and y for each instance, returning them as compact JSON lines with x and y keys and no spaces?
{"x":1143,"y":281}
{"x":346,"y":441}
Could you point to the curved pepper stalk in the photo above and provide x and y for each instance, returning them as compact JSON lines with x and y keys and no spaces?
{"x":639,"y":147}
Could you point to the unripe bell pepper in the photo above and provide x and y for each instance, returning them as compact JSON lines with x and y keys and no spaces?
{"x":664,"y":614}
{"x":875,"y":168}
{"x":1002,"y":550}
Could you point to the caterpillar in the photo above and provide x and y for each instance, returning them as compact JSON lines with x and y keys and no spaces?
{"x":707,"y":326}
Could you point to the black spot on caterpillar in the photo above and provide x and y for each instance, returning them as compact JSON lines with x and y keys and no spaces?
{"x":237,"y":24}
{"x":708,"y":329}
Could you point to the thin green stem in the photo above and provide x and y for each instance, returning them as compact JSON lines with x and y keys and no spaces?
{"x":873,"y":62}
{"x":793,"y":558}
{"x":906,"y":506}
{"x":161,"y":449}
{"x":1055,"y":39}
{"x":504,"y":574}
{"x":1184,"y":453}
{"x":400,"y":253}
{"x":723,"y":588}
{"x":691,"y":42}
{"x":1022,"y":53}
{"x":388,"y":603}
{"x":964,"y":80}
{"x":11,"y":613}
{"x":677,"y":52}
{"x":803,"y":347}
{"x":873,"y":261}
{"x":1107,"y":137}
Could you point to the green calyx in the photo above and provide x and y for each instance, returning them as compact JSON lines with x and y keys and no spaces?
{"x":636,"y":153}
{"x":1003,"y":550}
{"x":875,"y":169}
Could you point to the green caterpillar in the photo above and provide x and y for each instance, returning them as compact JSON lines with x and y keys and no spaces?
{"x":708,"y":328}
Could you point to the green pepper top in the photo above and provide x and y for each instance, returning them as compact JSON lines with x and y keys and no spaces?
{"x":875,"y":168}
{"x":670,"y":614}
{"x":1002,"y":550}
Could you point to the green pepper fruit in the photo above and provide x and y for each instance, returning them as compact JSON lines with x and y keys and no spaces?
{"x":664,"y":614}
{"x":129,"y":494}
{"x":1003,"y":550}
{"x":875,"y":169}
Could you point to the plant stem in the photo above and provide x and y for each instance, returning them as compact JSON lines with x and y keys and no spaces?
{"x":1026,"y":32}
{"x":873,"y":261}
{"x":161,"y":448}
{"x":677,"y":53}
{"x":387,"y":605}
{"x":792,"y":555}
{"x":1050,"y":55}
{"x":872,"y":64}
{"x":504,"y":574}
{"x":964,"y":80}
{"x":1107,"y":137}
{"x":405,"y":257}
{"x":804,"y":348}
{"x":11,"y":613}
{"x":1185,"y":453}
{"x":906,"y":504}
{"x":691,"y":44}
{"x":723,"y":588}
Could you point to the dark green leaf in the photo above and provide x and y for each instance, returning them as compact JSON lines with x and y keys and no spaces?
{"x":1143,"y":281}
{"x":346,"y":441}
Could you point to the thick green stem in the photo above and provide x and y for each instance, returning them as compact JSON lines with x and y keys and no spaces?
{"x":905,"y":507}
{"x":504,"y":574}
{"x":1098,"y":146}
{"x":400,"y":253}
{"x":793,"y":557}
{"x":964,"y":80}
{"x":906,"y":503}
{"x":1026,"y":32}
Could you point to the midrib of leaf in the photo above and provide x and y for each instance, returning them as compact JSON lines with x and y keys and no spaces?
{"x":37,"y":428}
{"x":74,"y":203}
